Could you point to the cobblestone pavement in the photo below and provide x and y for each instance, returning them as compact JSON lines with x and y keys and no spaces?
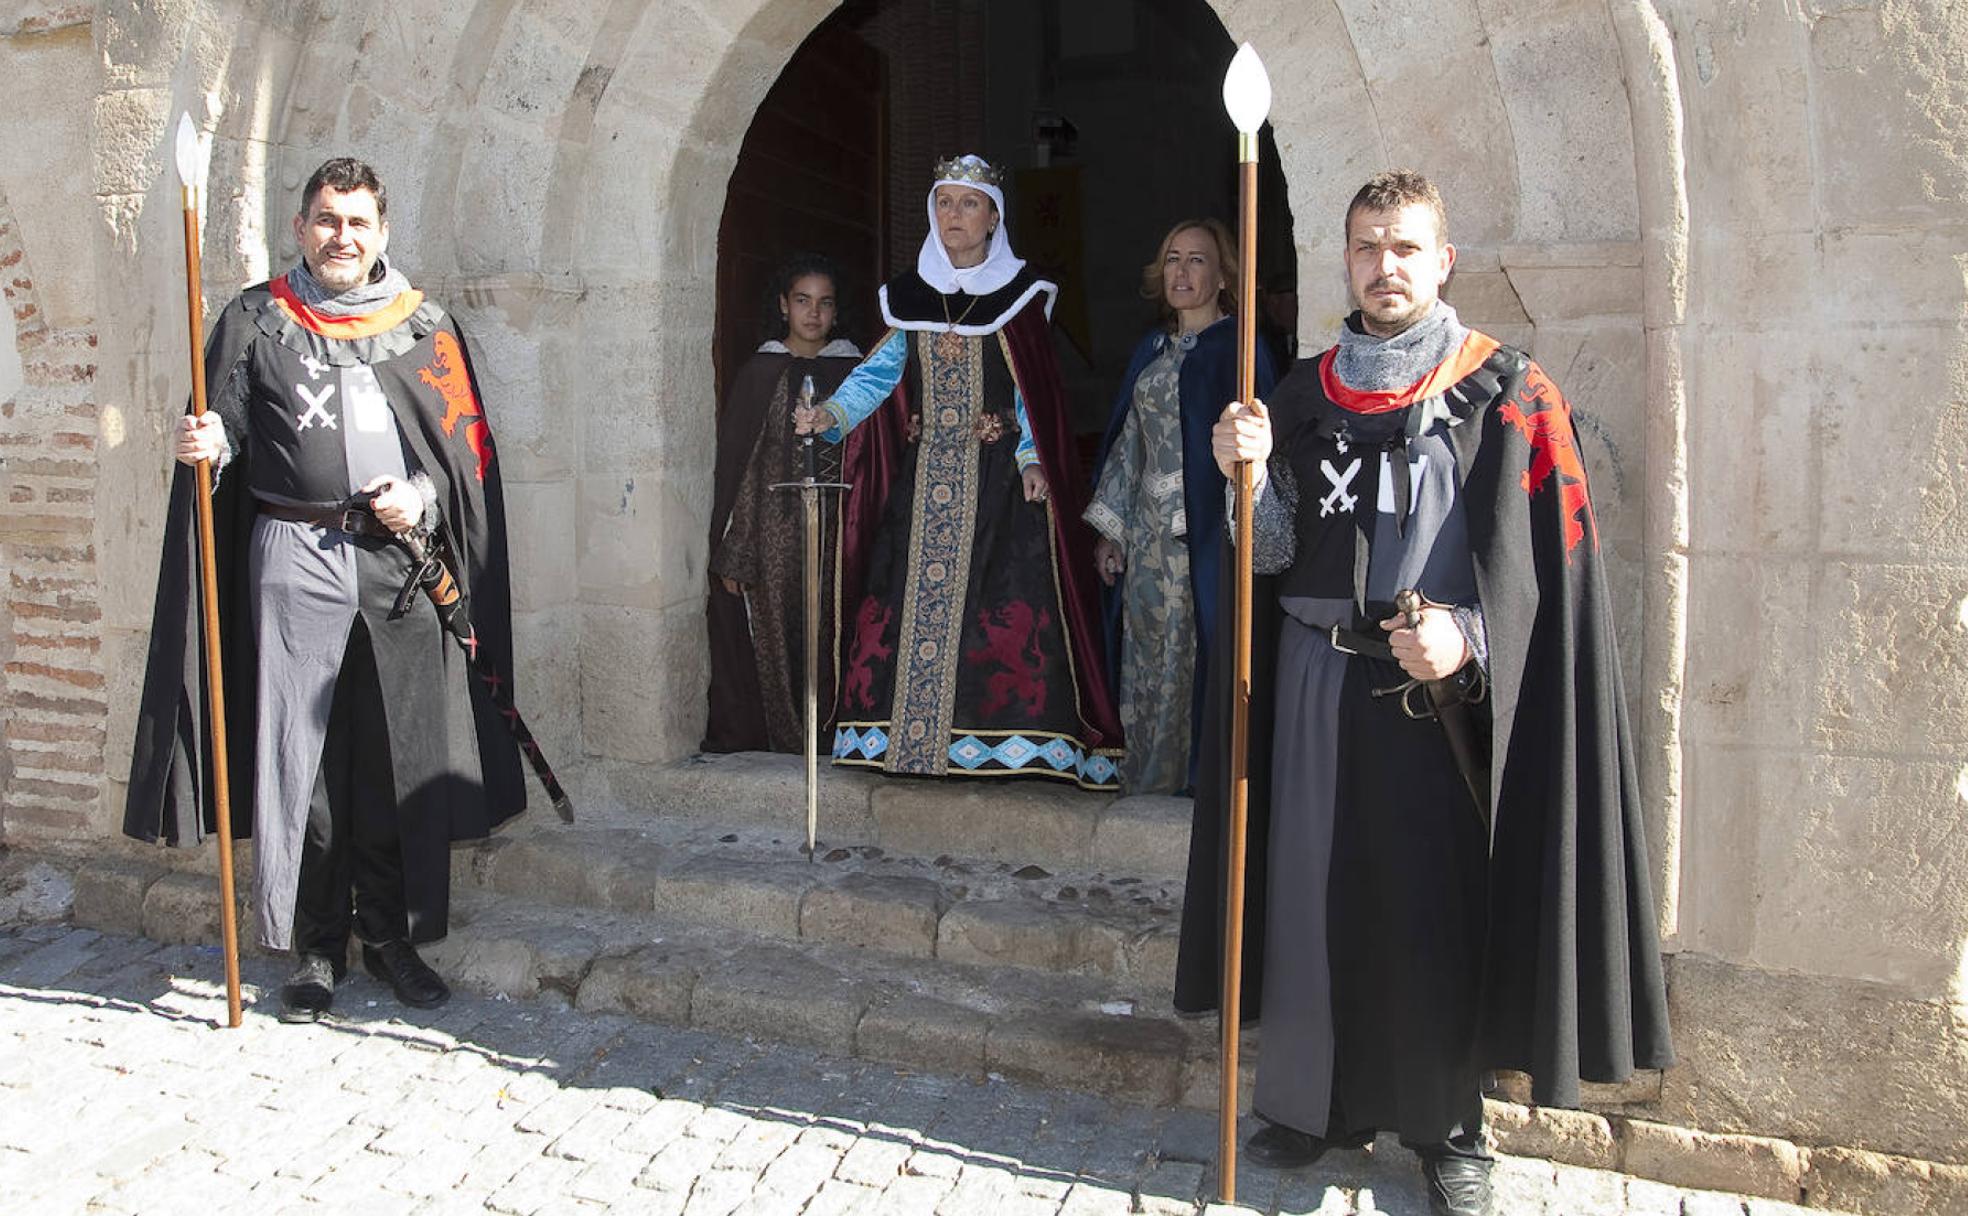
{"x":119,"y":1092}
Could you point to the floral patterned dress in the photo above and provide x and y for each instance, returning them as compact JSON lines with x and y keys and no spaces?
{"x":1138,"y":506}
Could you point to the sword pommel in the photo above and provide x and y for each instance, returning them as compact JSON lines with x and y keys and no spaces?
{"x":1408,"y":602}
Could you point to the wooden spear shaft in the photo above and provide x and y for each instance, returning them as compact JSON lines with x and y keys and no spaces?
{"x":208,"y":572}
{"x":1233,"y":920}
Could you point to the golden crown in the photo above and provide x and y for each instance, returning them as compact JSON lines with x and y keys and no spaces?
{"x":973,"y":169}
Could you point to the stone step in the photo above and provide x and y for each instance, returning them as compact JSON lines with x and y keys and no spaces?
{"x":1118,"y":928}
{"x":1073,"y":1032}
{"x":1020,"y":821}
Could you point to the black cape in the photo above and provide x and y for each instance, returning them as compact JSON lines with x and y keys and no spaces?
{"x":1572,"y":978}
{"x":425,"y":372}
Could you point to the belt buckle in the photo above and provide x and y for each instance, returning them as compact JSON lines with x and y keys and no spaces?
{"x":1338,"y":645}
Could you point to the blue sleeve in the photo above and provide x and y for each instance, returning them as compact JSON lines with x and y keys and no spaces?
{"x":868,"y":385}
{"x":1028,"y":448}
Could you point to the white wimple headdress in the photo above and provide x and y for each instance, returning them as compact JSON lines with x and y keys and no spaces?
{"x":999,"y":266}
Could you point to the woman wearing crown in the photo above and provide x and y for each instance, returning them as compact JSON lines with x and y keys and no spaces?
{"x":969,"y":624}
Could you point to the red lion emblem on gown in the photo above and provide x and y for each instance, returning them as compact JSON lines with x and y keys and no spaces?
{"x":1011,"y":640}
{"x":869,"y":625}
{"x":1554,"y":451}
{"x":446,"y":373}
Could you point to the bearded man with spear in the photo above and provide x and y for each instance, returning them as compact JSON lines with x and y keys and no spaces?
{"x":348,"y":448}
{"x":1427,"y":730}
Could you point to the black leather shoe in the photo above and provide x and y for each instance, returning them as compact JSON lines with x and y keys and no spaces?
{"x":410,"y":977}
{"x":308,"y":992}
{"x":1277,"y":1147}
{"x":1457,"y":1186}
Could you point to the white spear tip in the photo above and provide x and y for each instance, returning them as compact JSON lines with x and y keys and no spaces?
{"x":1247,"y":90}
{"x":187,"y":151}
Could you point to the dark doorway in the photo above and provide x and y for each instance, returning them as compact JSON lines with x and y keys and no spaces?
{"x":1108,"y":115}
{"x":809,"y":178}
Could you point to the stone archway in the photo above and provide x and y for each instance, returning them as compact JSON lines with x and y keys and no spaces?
{"x":560,"y":181}
{"x":1571,"y":213}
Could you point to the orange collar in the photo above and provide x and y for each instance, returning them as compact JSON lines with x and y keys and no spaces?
{"x":368,"y":325}
{"x":1467,"y":358}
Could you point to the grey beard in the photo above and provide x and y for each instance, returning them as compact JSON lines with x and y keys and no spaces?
{"x":384,"y":283}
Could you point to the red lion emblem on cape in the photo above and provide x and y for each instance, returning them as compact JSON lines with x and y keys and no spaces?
{"x":446,"y":373}
{"x":1541,"y":413}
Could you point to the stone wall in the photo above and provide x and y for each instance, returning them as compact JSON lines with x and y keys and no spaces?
{"x":1732,"y":232}
{"x":53,"y":699}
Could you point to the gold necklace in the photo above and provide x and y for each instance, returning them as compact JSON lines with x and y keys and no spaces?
{"x":949,"y":343}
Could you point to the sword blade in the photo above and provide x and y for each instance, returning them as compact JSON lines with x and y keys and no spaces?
{"x":810,"y":504}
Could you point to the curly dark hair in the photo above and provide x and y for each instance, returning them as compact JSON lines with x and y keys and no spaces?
{"x":771,"y":324}
{"x":346,"y":174}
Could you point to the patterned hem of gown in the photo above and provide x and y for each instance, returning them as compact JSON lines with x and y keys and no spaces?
{"x":974,"y":754}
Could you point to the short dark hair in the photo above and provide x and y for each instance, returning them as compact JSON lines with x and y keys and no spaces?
{"x":1394,"y":189}
{"x":345,"y":174}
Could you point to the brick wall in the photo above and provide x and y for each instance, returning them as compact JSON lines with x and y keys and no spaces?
{"x":53,"y":708}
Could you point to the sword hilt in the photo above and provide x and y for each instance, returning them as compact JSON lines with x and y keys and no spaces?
{"x":1408,"y":602}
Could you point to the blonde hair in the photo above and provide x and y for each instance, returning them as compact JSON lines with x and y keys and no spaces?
{"x":1226,"y":264}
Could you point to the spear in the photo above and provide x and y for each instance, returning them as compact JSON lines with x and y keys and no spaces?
{"x":1247,"y":96}
{"x":189,"y":160}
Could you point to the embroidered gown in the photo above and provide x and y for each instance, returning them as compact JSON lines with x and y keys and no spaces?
{"x":969,"y":632}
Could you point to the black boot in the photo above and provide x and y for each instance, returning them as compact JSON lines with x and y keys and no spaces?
{"x":396,"y":963}
{"x":1275,"y":1146}
{"x":308,"y":992}
{"x":1457,"y":1186}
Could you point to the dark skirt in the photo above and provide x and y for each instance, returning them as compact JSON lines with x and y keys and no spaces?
{"x":1005,"y":700}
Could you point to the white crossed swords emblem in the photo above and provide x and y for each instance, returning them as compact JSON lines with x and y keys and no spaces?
{"x":1338,"y":499}
{"x":316,"y":407}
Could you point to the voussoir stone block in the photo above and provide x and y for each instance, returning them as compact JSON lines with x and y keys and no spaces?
{"x":1140,"y":1058}
{"x":924,"y":1033}
{"x":732,"y":893}
{"x":1740,"y":1165}
{"x":895,"y":913}
{"x":109,"y":894}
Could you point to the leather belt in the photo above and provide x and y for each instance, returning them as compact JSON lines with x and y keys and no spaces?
{"x":1350,"y":641}
{"x":356,"y":521}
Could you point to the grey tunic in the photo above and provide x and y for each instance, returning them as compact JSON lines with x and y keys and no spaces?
{"x":305,"y":597}
{"x":1295,"y":1068}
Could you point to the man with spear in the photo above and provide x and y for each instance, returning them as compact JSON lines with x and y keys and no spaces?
{"x":347,"y":434}
{"x":1448,"y":873}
